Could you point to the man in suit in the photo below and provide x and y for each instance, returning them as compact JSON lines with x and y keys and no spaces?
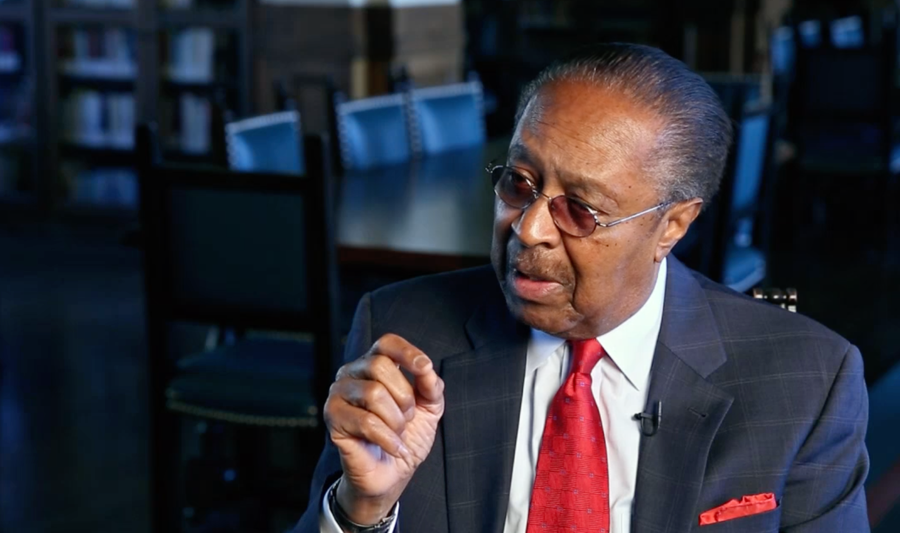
{"x":588,"y":381}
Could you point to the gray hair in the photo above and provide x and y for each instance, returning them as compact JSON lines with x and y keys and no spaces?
{"x":692,"y":149}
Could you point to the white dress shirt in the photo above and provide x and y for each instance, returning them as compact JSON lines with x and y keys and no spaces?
{"x":620,"y":383}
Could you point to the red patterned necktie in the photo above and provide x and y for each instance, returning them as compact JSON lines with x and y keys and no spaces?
{"x":571,"y":485}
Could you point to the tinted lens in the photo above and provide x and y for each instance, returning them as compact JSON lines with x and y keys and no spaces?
{"x":513,"y":188}
{"x":572,"y":216}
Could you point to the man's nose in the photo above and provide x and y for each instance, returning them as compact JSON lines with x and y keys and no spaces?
{"x":535,"y":226}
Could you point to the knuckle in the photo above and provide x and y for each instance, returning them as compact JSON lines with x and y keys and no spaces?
{"x":406,"y":398}
{"x":372,"y":392}
{"x":368,"y":424}
{"x":342,"y":372}
{"x":410,"y":353}
{"x":380,"y":366}
{"x":329,"y":411}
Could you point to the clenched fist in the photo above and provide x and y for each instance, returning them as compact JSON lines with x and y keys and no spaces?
{"x":382,"y":426}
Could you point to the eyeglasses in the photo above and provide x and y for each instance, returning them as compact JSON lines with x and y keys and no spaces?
{"x":570,"y":215}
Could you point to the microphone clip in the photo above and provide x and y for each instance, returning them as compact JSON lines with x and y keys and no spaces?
{"x":650,"y":422}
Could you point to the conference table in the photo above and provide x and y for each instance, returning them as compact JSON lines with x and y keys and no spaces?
{"x":430,"y":214}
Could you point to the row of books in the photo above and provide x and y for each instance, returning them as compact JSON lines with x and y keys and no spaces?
{"x":102,"y":120}
{"x":99,"y":53}
{"x":10,"y":59}
{"x":109,"y":186}
{"x":191,"y":55}
{"x":195,"y":121}
{"x":107,"y":120}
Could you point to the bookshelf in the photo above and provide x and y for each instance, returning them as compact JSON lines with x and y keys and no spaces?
{"x":20,"y":92}
{"x":111,"y":64}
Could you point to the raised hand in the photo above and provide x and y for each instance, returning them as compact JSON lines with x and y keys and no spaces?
{"x":382,"y":426}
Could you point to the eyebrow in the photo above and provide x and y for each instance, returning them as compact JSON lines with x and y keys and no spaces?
{"x":591,"y":190}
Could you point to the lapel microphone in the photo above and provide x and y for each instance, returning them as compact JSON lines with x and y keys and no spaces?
{"x":650,"y":421}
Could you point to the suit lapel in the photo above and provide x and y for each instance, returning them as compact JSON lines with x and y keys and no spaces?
{"x":483,"y":396}
{"x":672,"y":463}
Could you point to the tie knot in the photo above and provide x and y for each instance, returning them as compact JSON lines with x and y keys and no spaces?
{"x":585,"y":355}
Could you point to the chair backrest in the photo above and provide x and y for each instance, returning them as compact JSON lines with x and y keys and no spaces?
{"x":448,"y":117}
{"x":848,"y":32}
{"x":733,"y":218}
{"x":266,"y":143}
{"x":840,"y":106}
{"x":783,"y":51}
{"x":785,"y":299}
{"x":373,"y":131}
{"x":750,"y":162}
{"x":735,"y":91}
{"x":241,"y":250}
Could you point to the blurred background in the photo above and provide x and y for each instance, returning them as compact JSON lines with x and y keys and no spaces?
{"x":194,"y":194}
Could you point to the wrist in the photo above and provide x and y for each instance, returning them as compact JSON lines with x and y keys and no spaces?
{"x":363,"y":509}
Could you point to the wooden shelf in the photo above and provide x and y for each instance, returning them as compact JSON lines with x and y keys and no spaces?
{"x":16,"y":198}
{"x":73,"y":80}
{"x":15,"y":12}
{"x":97,"y":210}
{"x":199,"y":87}
{"x":107,"y":155}
{"x":17,"y":139}
{"x":42,"y":27}
{"x":180,"y":156}
{"x":104,"y":17}
{"x":211,"y":18}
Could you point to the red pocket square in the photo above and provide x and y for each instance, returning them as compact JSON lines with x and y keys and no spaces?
{"x":748,"y":505}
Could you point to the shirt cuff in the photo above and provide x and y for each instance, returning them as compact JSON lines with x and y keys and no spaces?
{"x":327,"y":523}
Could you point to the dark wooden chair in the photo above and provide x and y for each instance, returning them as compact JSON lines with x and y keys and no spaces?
{"x":245,"y":252}
{"x":841,"y":121}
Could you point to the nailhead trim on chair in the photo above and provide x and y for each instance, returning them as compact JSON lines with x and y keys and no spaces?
{"x":342,"y":109}
{"x":240,"y":418}
{"x":252,"y":123}
{"x":442,"y":91}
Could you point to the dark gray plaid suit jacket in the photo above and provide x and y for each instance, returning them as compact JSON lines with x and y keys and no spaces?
{"x":756,"y":400}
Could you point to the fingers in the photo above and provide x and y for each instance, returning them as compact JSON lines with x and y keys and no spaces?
{"x":404,"y":354}
{"x":430,"y":390}
{"x":375,"y":383}
{"x":351,"y":421}
{"x":372,"y":396}
{"x":383,"y":370}
{"x":428,"y":385}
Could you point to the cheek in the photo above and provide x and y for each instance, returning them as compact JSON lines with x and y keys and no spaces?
{"x":504,"y":217}
{"x":607,"y":270}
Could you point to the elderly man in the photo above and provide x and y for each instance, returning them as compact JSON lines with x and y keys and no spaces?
{"x":589,"y":382}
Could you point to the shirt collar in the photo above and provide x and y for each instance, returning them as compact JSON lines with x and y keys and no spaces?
{"x":630,"y":345}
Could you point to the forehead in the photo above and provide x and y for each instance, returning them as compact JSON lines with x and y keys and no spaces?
{"x":588,"y":131}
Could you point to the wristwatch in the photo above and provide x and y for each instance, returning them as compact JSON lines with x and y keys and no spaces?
{"x":384,"y":526}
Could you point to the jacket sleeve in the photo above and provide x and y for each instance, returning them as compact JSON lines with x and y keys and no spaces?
{"x":328,"y":468}
{"x":824,"y":491}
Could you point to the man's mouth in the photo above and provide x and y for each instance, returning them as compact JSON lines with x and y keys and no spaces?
{"x":533,"y":286}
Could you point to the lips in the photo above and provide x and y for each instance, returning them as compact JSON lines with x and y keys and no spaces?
{"x":531,"y":276}
{"x":533,"y":285}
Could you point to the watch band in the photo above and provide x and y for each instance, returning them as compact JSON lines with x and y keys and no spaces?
{"x":384,"y":526}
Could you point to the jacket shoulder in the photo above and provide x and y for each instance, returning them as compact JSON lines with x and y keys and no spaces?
{"x":762,"y":339}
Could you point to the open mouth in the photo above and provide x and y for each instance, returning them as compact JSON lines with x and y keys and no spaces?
{"x":533,"y":286}
{"x":531,"y":277}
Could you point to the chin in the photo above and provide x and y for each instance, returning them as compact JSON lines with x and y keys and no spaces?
{"x":541,"y":317}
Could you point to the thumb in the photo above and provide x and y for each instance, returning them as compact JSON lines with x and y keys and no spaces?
{"x":429,"y":386}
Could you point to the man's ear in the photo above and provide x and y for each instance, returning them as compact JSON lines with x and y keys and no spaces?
{"x":676,"y":222}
